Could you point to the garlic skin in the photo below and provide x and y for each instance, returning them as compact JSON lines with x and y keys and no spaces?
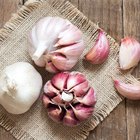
{"x":100,"y":51}
{"x":130,"y":91}
{"x":68,"y":98}
{"x":20,"y":86}
{"x":129,"y":54}
{"x":56,"y":44}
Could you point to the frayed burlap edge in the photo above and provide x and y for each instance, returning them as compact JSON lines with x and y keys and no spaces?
{"x":12,"y":24}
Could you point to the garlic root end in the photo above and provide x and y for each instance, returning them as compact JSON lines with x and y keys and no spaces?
{"x":38,"y":53}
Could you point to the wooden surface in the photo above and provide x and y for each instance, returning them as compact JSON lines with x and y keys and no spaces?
{"x":119,"y":18}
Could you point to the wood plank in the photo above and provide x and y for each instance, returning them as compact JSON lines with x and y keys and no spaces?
{"x":109,"y":14}
{"x":132,"y":28}
{"x":7,"y":7}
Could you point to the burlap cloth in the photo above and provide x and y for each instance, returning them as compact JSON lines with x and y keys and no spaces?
{"x":35,"y":123}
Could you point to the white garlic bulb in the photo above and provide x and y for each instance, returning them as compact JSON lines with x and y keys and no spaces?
{"x":20,"y":86}
{"x":56,"y":44}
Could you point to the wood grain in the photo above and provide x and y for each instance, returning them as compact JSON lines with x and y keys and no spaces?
{"x":131,"y":15}
{"x":109,"y":14}
{"x":119,"y":18}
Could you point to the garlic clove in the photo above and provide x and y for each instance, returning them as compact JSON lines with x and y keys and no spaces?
{"x":80,"y":89}
{"x":82,"y":112}
{"x":50,"y":67}
{"x":59,"y":80}
{"x":50,"y":90}
{"x":130,"y":91}
{"x":74,"y":79}
{"x":89,"y":99}
{"x":129,"y":54}
{"x":40,"y":62}
{"x":72,"y":51}
{"x":69,"y":36}
{"x":63,"y":63}
{"x":56,"y":113}
{"x":70,"y":119}
{"x":57,"y":100}
{"x":46,"y":101}
{"x":100,"y":51}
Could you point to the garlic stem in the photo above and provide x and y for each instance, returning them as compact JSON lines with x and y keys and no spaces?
{"x":10,"y":86}
{"x":67,"y":97}
{"x":39,"y":52}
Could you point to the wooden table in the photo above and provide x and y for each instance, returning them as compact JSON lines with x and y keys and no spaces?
{"x":119,"y":18}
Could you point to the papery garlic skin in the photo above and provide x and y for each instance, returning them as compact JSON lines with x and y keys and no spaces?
{"x":130,"y":91}
{"x":100,"y":51}
{"x":68,"y":98}
{"x":20,"y":86}
{"x":129,"y":54}
{"x":56,"y":44}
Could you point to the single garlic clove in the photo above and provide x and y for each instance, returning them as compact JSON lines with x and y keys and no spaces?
{"x":50,"y":90}
{"x":59,"y":80}
{"x":100,"y":51}
{"x":74,"y":79}
{"x":69,"y":36}
{"x":89,"y":99}
{"x":46,"y":101}
{"x":129,"y":54}
{"x":82,"y":112}
{"x":80,"y":89}
{"x":130,"y":91}
{"x":50,"y":67}
{"x":70,"y":119}
{"x":63,"y":63}
{"x":55,"y":113}
{"x":57,"y":100}
{"x":72,"y":51}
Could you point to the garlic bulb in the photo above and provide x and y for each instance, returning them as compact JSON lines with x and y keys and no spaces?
{"x":100,"y":51}
{"x":69,"y":98}
{"x":56,"y":44}
{"x":20,"y":86}
{"x":129,"y":54}
{"x":130,"y":91}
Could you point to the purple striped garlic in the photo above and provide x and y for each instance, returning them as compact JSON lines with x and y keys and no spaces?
{"x":100,"y":50}
{"x":68,"y":98}
{"x":129,"y":55}
{"x":56,"y":44}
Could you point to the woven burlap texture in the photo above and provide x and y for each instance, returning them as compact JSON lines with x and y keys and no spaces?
{"x":35,"y":123}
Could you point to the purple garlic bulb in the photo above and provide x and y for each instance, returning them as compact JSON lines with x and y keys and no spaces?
{"x":69,"y":98}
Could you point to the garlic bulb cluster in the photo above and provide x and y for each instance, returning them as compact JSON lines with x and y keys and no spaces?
{"x":20,"y":86}
{"x":129,"y":54}
{"x":56,"y":44}
{"x":100,"y":51}
{"x":69,"y":98}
